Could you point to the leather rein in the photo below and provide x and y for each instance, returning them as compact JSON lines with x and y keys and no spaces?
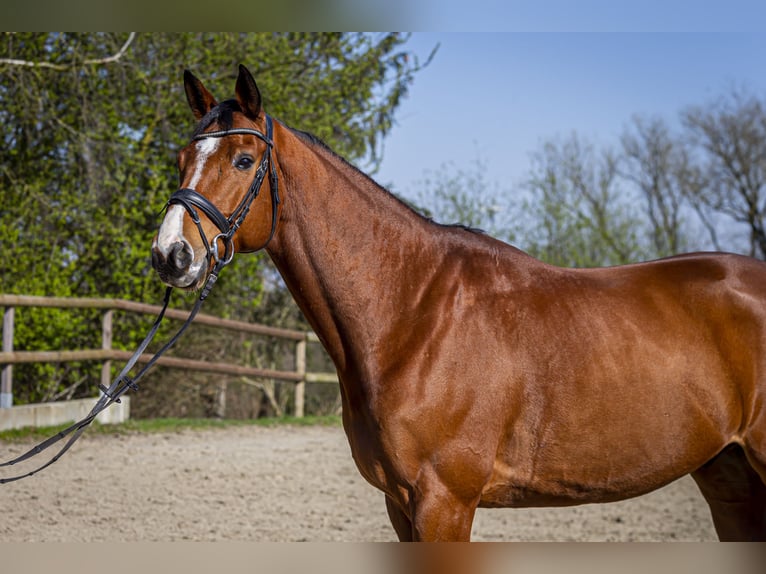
{"x":191,"y":201}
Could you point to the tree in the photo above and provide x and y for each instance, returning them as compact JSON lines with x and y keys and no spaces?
{"x":656,"y":163}
{"x":659,"y":193}
{"x":90,"y":125}
{"x":463,"y":195}
{"x":730,"y":134}
{"x":577,"y":214}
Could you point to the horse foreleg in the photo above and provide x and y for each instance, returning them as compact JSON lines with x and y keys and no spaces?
{"x":439,"y":515}
{"x":399,"y":520}
{"x":434,"y":515}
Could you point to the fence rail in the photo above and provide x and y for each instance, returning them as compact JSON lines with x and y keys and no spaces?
{"x":9,"y":357}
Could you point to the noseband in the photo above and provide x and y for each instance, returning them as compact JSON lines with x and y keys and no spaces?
{"x":191,"y":200}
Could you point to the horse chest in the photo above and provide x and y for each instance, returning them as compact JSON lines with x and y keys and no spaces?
{"x":370,"y":456}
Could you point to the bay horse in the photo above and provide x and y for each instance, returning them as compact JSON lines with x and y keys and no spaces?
{"x":471,"y":374}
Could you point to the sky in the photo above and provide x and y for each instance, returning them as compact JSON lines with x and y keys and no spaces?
{"x":495,"y":97}
{"x":581,"y":15}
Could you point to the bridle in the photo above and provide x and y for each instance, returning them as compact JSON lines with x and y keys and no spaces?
{"x":190,"y":200}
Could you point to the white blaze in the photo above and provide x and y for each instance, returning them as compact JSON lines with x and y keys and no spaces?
{"x":205,"y":148}
{"x":171,"y":230}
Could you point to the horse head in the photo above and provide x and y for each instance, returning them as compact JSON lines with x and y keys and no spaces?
{"x":220,"y":207}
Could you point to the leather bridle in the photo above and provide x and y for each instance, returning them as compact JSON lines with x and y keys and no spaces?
{"x":191,"y":200}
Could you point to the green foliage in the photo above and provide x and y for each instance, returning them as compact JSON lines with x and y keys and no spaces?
{"x":87,"y":159}
{"x":581,"y":216}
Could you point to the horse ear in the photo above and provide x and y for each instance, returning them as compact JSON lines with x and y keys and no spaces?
{"x":200,"y":100}
{"x":248,"y":96}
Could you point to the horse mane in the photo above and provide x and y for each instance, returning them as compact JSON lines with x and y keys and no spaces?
{"x":316,"y":141}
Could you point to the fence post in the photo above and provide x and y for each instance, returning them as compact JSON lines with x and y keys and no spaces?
{"x":300,"y":386}
{"x":106,"y":344}
{"x":6,"y":382}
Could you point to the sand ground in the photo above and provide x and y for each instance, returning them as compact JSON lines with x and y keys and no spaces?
{"x":278,"y":484}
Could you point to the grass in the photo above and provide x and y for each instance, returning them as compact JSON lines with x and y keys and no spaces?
{"x":147,"y":426}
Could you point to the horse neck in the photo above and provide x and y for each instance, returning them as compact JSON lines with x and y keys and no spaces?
{"x":351,"y":254}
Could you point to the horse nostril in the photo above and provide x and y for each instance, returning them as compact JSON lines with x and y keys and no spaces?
{"x":180,"y":255}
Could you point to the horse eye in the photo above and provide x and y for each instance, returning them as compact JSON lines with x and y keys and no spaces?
{"x":244,"y":163}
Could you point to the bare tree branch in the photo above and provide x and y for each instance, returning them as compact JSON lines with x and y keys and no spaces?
{"x":61,"y":67}
{"x":731,"y":133}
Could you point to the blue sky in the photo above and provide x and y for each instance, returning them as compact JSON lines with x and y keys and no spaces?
{"x":584,"y":15}
{"x":497,"y":96}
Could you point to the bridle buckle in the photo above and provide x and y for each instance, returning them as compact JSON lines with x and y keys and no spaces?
{"x":228,"y":252}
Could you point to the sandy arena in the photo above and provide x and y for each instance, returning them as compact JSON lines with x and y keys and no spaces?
{"x":281,"y":484}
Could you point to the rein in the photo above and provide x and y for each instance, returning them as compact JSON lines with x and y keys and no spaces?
{"x":189,"y":199}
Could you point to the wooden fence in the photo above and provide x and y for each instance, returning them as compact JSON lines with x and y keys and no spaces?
{"x":9,"y":357}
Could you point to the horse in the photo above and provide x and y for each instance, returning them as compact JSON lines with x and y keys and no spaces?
{"x":472,"y":374}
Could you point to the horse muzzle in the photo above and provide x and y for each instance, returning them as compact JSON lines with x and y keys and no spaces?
{"x":176,"y":265}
